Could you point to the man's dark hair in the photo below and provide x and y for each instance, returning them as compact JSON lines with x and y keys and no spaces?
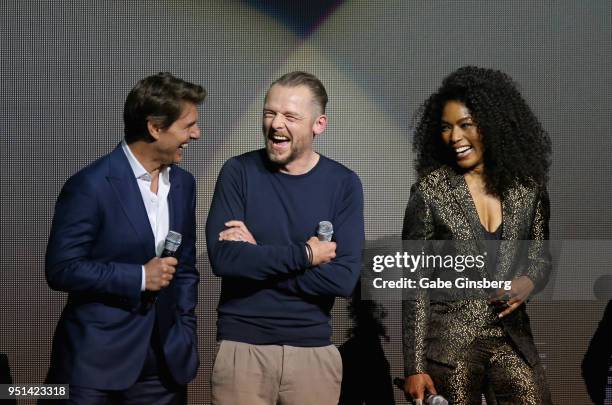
{"x":158,"y":98}
{"x":298,"y":78}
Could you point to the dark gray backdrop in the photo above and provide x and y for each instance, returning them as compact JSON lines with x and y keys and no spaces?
{"x":66,"y":67}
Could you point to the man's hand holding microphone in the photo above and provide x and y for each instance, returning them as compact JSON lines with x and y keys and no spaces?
{"x":320,"y":249}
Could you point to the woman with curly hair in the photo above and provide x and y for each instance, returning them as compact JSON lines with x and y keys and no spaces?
{"x":482,"y":163}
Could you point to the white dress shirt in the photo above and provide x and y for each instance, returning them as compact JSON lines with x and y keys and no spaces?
{"x":155,"y":204}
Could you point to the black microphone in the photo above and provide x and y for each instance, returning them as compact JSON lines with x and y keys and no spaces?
{"x":171,"y":245}
{"x":430,"y":399}
{"x":325,"y":231}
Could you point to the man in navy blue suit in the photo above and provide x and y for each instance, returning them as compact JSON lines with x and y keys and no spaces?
{"x":128,"y":331}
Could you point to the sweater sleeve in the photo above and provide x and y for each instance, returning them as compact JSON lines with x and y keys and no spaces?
{"x":339,"y":276}
{"x":242,"y":259}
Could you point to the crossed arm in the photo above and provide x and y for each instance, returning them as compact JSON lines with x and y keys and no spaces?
{"x":234,"y":252}
{"x":322,"y":252}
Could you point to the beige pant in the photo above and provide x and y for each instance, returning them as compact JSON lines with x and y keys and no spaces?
{"x":246,"y":374}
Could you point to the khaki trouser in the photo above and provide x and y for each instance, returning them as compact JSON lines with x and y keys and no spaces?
{"x":271,"y":374}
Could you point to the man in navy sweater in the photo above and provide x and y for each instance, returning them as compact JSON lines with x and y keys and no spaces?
{"x":279,"y":280}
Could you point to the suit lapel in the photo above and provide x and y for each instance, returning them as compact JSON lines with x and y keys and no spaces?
{"x":512,"y":213}
{"x":127,"y":192}
{"x":513,"y":210}
{"x":174,"y":198}
{"x":462,"y":196}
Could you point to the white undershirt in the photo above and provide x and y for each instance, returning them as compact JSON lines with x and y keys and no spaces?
{"x":155,"y":204}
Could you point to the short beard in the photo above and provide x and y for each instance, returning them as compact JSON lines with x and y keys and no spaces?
{"x":278,"y":161}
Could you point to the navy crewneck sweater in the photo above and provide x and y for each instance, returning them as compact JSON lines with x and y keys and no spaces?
{"x":269,"y":295}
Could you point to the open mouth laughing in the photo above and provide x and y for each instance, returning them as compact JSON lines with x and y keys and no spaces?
{"x":279,"y":142}
{"x":462,"y":151}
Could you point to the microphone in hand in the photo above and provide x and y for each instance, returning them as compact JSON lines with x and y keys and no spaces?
{"x":159,"y":271}
{"x":325,"y":231}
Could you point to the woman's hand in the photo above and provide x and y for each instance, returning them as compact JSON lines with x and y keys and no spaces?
{"x":416,"y":384}
{"x":520,"y":290}
{"x":238,"y":232}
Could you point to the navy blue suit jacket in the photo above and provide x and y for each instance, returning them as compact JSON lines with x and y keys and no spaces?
{"x":99,"y":240}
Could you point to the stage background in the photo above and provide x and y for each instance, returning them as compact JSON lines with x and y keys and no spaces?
{"x":66,"y":67}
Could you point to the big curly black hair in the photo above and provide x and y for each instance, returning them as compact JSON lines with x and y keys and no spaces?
{"x":517,"y":149}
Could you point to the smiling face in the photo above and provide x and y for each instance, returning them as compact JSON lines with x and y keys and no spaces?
{"x":291,"y":119}
{"x":172,"y":141}
{"x":460,"y":132}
